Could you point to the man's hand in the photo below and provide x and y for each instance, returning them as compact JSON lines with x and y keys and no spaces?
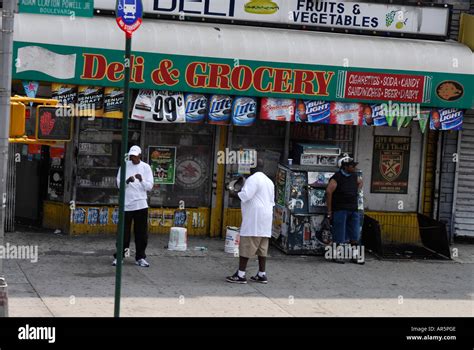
{"x":139,"y":177}
{"x":130,"y":179}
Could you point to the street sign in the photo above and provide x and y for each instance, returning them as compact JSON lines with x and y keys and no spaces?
{"x":129,"y":15}
{"x":84,"y":8}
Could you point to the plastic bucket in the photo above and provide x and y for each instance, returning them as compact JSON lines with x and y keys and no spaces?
{"x":232,"y":240}
{"x":178,"y":239}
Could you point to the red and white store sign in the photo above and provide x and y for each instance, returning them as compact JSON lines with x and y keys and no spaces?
{"x":384,"y":87}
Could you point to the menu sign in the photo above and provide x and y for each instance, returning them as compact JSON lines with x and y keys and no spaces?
{"x":386,"y":87}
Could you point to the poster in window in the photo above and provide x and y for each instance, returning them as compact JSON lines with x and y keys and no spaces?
{"x":192,"y":171}
{"x":391,"y":162}
{"x":163,"y":164}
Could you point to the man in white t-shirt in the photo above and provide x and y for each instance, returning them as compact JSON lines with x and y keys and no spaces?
{"x":257,"y":202}
{"x":139,"y":181}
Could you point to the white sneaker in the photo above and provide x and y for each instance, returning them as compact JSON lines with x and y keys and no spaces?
{"x":142,"y":263}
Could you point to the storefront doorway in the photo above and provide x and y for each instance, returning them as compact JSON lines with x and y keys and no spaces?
{"x":31,"y":183}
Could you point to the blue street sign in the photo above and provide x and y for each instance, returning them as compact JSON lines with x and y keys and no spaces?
{"x":129,"y":15}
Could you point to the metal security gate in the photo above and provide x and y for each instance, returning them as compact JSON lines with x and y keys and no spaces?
{"x":11,"y":190}
{"x":464,"y":191}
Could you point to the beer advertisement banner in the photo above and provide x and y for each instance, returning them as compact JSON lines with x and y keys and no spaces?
{"x":90,"y":101}
{"x":163,"y":164}
{"x":313,"y":111}
{"x":113,"y":102}
{"x":244,"y":111}
{"x":64,"y":93}
{"x":446,"y":119}
{"x":220,"y":109}
{"x":159,"y":107}
{"x":390,"y":165}
{"x":196,"y":106}
{"x":212,"y":75}
{"x":279,"y":109}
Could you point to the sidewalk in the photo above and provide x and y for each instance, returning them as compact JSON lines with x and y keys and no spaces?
{"x":74,"y":277}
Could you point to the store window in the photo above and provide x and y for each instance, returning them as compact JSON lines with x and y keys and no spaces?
{"x":98,"y":159}
{"x":191,"y":146}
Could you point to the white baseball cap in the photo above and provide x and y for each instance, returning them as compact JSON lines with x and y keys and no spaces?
{"x":135,"y":151}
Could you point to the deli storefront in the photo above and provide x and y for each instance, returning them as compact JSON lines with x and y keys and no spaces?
{"x":203,"y":92}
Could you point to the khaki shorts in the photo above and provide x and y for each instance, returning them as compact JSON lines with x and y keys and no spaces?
{"x":251,"y":246}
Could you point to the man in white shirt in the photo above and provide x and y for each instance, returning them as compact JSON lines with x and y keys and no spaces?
{"x":257,"y":202}
{"x":139,"y":181}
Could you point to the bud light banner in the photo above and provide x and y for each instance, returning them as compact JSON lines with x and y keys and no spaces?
{"x":374,"y":115}
{"x":196,"y":108}
{"x":313,"y":111}
{"x":446,"y":119}
{"x":159,"y":107}
{"x":280,"y":109}
{"x":244,"y":111}
{"x":220,"y":109}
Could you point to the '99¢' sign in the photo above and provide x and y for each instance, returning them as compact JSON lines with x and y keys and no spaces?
{"x":169,"y":109}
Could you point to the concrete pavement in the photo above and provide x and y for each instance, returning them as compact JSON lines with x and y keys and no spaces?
{"x":74,"y":277}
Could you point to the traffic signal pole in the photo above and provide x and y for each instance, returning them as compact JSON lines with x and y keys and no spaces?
{"x":6,"y":54}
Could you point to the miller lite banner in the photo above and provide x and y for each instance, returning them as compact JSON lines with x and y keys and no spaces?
{"x":390,"y":164}
{"x":244,"y":111}
{"x":220,"y":109}
{"x":196,"y":108}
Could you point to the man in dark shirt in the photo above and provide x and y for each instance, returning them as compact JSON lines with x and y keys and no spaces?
{"x":341,"y":199}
